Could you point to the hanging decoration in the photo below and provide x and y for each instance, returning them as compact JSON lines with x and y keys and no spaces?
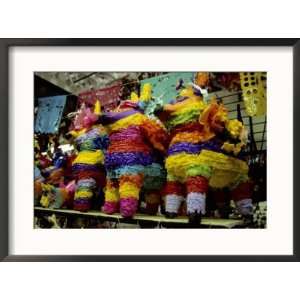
{"x":108,"y":97}
{"x":253,"y":86}
{"x":50,"y":110}
{"x":164,"y":86}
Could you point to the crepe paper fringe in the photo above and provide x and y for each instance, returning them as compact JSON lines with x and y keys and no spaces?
{"x":152,"y":131}
{"x":90,"y":144}
{"x":153,"y":170}
{"x":116,"y":160}
{"x":174,"y":188}
{"x":112,"y":117}
{"x":182,"y":165}
{"x":192,"y":137}
{"x":185,"y":103}
{"x":82,"y":204}
{"x":118,"y":172}
{"x":136,"y":180}
{"x":87,"y":183}
{"x":133,"y":120}
{"x":84,"y":193}
{"x":184,"y":147}
{"x":188,"y":107}
{"x":99,"y":176}
{"x":127,"y":190}
{"x":85,"y":167}
{"x":153,"y":183}
{"x":110,"y":207}
{"x":94,"y":133}
{"x":192,"y":148}
{"x":111,"y":192}
{"x":156,"y":134}
{"x":131,"y":134}
{"x":173,"y":203}
{"x":154,"y":177}
{"x":189,"y":127}
{"x":198,"y":184}
{"x":94,"y":139}
{"x":89,"y":157}
{"x":128,"y":206}
{"x":196,"y":203}
{"x":125,"y":146}
{"x":187,"y":117}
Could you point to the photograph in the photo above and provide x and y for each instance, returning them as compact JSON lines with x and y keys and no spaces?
{"x":150,"y":150}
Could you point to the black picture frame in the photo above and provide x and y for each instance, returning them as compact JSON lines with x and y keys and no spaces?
{"x":6,"y":44}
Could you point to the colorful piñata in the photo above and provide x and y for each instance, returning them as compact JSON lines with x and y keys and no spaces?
{"x":130,"y":161}
{"x":203,"y":151}
{"x":91,"y":142}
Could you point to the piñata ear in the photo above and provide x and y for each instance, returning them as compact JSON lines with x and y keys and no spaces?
{"x":134,"y":97}
{"x":97,"y":109}
{"x":187,"y":92}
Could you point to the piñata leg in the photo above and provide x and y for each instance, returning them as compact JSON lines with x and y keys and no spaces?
{"x":153,"y":200}
{"x":242,"y":196}
{"x":84,"y":193}
{"x":129,"y":189}
{"x":174,"y":192}
{"x":112,"y":198}
{"x":197,"y":187}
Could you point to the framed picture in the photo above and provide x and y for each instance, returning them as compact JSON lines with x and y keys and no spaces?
{"x":149,"y":149}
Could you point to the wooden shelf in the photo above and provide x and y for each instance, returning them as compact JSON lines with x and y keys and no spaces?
{"x":207,"y":222}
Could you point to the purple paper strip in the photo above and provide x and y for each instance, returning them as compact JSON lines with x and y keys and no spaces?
{"x":191,"y":148}
{"x":131,"y":133}
{"x":111,"y":117}
{"x":115,"y":160}
{"x":85,"y":167}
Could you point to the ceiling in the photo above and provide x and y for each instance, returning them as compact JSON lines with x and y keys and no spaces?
{"x":78,"y":82}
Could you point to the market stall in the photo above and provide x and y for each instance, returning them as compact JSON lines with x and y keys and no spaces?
{"x":150,"y":150}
